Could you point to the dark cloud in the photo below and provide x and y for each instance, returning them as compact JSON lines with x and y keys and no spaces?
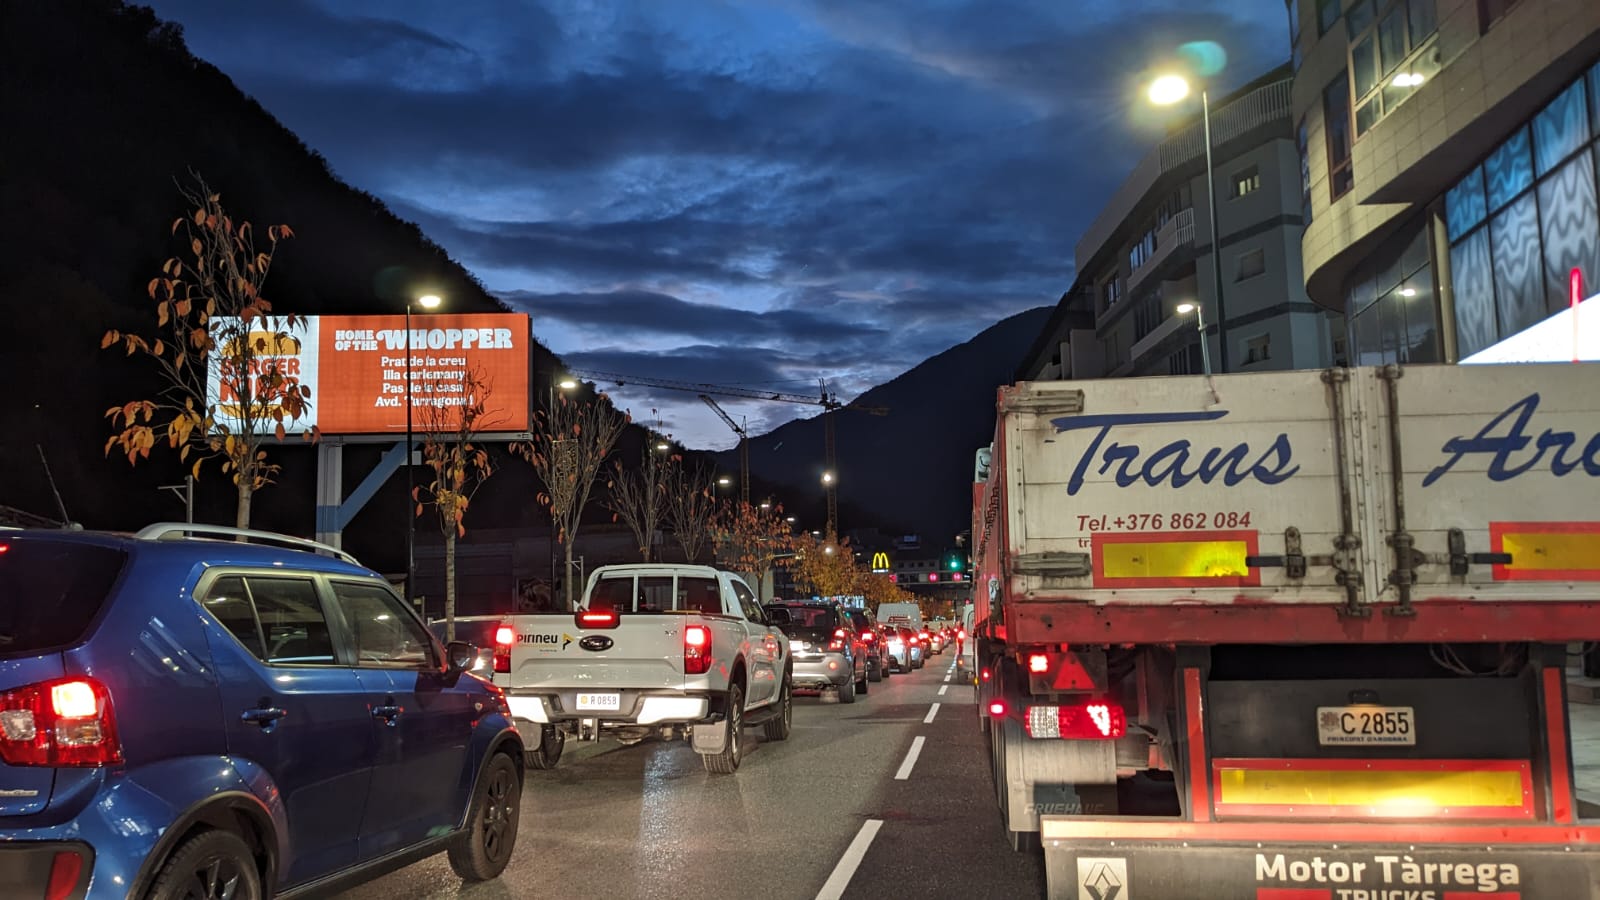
{"x":736,"y":192}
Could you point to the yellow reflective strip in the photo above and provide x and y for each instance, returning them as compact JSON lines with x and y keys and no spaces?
{"x":1175,"y":559}
{"x":1369,"y":788}
{"x":1533,"y":550}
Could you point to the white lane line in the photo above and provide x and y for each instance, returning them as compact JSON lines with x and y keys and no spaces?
{"x":840,"y":879}
{"x":933,"y":711}
{"x":943,"y":688}
{"x":911,"y":759}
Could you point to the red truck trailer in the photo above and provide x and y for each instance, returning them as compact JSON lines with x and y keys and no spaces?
{"x":1292,"y":635}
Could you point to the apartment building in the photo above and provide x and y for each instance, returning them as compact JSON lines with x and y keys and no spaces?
{"x":1150,"y":250}
{"x":1450,"y":152}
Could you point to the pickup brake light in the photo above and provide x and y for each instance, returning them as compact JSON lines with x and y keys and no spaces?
{"x":696,"y":650}
{"x":504,"y":637}
{"x":597,"y":618}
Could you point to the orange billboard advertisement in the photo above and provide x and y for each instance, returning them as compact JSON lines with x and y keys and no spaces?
{"x":357,"y":369}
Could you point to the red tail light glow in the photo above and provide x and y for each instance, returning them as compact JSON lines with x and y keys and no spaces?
{"x":1038,"y":663}
{"x":696,"y":650}
{"x":868,"y":637}
{"x":985,"y":674}
{"x":68,"y":722}
{"x":997,"y":709}
{"x":504,"y":637}
{"x":598,"y":618}
{"x":1089,"y":720}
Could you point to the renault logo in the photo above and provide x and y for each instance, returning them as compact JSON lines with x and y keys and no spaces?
{"x":596,"y":642}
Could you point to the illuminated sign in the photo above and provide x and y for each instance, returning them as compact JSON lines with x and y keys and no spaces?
{"x":356,"y":368}
{"x":1571,"y":335}
{"x":933,"y":576}
{"x":880,"y":562}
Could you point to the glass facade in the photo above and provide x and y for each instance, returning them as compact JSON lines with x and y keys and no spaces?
{"x":1525,"y":218}
{"x":1393,"y":304}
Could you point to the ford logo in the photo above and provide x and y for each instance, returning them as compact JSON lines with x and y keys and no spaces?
{"x":596,"y":642}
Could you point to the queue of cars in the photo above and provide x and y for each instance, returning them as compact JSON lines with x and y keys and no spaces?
{"x":839,"y":649}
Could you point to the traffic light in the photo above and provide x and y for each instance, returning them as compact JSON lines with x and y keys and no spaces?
{"x":953,"y":561}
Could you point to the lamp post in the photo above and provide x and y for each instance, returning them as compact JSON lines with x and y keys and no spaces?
{"x":426,"y":301}
{"x":1165,"y":91}
{"x":1200,"y":323}
{"x":566,"y":383}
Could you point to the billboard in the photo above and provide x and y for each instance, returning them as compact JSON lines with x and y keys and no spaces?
{"x":356,"y":369}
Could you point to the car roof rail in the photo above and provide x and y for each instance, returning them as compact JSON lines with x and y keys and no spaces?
{"x":174,"y":531}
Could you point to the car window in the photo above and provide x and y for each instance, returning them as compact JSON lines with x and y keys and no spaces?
{"x":227,"y":600}
{"x":383,"y":630}
{"x":293,"y":622}
{"x":612,"y":593}
{"x":752,"y":608}
{"x":51,"y":590}
{"x":700,"y":594}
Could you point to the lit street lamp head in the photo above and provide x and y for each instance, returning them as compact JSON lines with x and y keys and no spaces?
{"x":724,"y":481}
{"x":566,"y":384}
{"x":827,"y":478}
{"x":429,"y":301}
{"x":1168,"y":89}
{"x":1185,"y":308}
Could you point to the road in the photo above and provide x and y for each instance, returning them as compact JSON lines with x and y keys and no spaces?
{"x":885,"y":798}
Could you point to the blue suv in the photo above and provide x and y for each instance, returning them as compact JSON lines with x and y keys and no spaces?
{"x":190,"y":717}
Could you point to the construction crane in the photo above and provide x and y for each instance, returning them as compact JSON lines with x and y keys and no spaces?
{"x":824,"y":398}
{"x":744,"y":447}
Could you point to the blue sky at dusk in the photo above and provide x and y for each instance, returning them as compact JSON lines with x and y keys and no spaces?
{"x":752,"y":192}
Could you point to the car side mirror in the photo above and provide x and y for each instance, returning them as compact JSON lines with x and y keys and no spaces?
{"x":460,"y":655}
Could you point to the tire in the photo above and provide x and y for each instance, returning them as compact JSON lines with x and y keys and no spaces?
{"x":847,"y":692}
{"x":727,"y":762}
{"x":482,"y":851}
{"x":211,"y":865}
{"x":551,"y":742}
{"x":777,"y":729}
{"x":861,"y":686}
{"x":874,"y":669}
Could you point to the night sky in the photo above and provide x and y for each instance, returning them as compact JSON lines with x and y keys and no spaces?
{"x":751,"y":192}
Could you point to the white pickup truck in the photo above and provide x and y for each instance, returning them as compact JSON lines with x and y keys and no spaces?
{"x":670,"y":650}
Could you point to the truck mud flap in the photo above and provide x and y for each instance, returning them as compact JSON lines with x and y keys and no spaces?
{"x":709,"y":739}
{"x":1150,"y":870}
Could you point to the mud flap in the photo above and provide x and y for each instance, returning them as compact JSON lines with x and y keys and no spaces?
{"x":1054,"y":777}
{"x":709,"y":739}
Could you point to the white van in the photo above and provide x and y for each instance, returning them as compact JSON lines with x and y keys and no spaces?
{"x":909,"y":614}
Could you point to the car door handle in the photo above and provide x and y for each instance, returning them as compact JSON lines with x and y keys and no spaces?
{"x":387,"y":713}
{"x":266,"y":717}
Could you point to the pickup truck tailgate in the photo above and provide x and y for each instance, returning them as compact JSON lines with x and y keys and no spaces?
{"x":643,"y":652}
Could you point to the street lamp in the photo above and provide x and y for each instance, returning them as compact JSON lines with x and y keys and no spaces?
{"x":1200,"y":323}
{"x":566,"y":383}
{"x":426,"y":301}
{"x":1165,"y":91}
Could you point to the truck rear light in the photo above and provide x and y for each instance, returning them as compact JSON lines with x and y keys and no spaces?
{"x":1090,"y":720}
{"x":1038,"y":663}
{"x":997,"y":709}
{"x":984,"y":674}
{"x":593,"y":618}
{"x":696,"y":650}
{"x":504,"y":637}
{"x":67,"y":722}
{"x":65,"y":869}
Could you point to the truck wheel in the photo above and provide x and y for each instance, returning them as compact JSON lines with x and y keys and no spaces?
{"x":482,"y":851}
{"x":847,"y":692}
{"x":551,"y":742}
{"x":210,"y":864}
{"x":727,"y":762}
{"x":777,"y":729}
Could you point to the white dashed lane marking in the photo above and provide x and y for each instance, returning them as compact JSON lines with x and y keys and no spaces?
{"x":840,"y":879}
{"x":911,"y":759}
{"x":934,"y":711}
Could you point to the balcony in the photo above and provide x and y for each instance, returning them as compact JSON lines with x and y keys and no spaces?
{"x":1178,"y":232}
{"x":1262,"y":112}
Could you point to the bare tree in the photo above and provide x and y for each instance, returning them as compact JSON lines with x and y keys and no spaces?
{"x":639,"y":496}
{"x":226,"y":360}
{"x":750,"y":539}
{"x":690,"y":503}
{"x":454,"y":412}
{"x":569,"y":446}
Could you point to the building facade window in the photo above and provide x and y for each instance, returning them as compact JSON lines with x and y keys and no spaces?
{"x":1258,"y":349}
{"x":1303,"y":144}
{"x":1110,"y":292}
{"x":1247,"y":181}
{"x":1524,"y":218}
{"x":1492,"y":11}
{"x":1327,"y":15}
{"x":1251,"y":263}
{"x":1392,"y":305}
{"x":1186,"y":361}
{"x":1392,"y":53}
{"x":1336,"y":125}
